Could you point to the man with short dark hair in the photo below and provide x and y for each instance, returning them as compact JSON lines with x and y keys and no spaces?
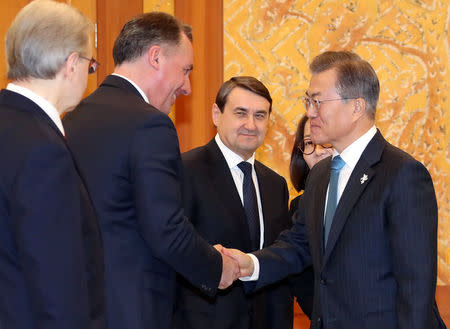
{"x":368,"y":218}
{"x":127,"y":147}
{"x":215,"y":201}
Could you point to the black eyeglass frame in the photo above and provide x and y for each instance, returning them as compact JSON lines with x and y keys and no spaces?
{"x":93,"y":64}
{"x":301,"y":146}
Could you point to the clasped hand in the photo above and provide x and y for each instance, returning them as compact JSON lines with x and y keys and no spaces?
{"x":235,"y":264}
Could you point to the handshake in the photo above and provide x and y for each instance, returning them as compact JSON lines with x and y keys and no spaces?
{"x":235,"y":264}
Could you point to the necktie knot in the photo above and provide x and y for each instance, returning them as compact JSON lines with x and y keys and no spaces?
{"x":337,"y":163}
{"x":246,"y":167}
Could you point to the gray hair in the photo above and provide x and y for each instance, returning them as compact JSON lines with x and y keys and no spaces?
{"x":42,"y":36}
{"x":355,"y":77}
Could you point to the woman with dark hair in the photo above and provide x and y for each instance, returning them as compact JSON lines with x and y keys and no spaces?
{"x":305,"y":154}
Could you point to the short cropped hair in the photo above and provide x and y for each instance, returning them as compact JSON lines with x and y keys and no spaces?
{"x":42,"y":36}
{"x":245,"y":82}
{"x":355,"y":76}
{"x":145,"y":31}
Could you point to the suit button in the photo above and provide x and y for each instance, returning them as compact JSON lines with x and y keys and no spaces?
{"x":319,"y":320}
{"x":323,"y":282}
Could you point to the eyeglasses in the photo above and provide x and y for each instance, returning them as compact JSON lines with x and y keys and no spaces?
{"x":93,"y":64}
{"x":308,"y":102}
{"x":307,"y":147}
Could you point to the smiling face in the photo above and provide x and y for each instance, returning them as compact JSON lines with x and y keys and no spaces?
{"x":334,"y":121}
{"x":176,"y":64}
{"x":243,"y":124}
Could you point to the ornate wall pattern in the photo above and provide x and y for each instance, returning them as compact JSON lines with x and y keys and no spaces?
{"x":159,"y":5}
{"x":406,"y":41}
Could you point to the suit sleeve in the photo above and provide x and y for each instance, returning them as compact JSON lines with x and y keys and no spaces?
{"x":171,"y":237}
{"x":47,"y":227}
{"x":288,"y":255}
{"x":412,"y":220}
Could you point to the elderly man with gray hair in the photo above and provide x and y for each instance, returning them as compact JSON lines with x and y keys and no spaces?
{"x":51,"y":257}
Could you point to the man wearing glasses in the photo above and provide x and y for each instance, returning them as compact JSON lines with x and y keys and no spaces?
{"x":368,"y":222}
{"x":51,"y":255}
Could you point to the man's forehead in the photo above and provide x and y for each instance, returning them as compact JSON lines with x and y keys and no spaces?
{"x":321,"y":83}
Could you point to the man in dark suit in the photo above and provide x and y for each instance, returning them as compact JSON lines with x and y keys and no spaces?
{"x":214,"y":200}
{"x":127,"y":148}
{"x":368,"y":218}
{"x":51,"y":257}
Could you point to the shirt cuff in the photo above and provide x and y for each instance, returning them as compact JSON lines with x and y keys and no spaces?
{"x":255,"y":275}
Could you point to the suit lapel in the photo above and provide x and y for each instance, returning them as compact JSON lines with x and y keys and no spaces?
{"x":359,"y":180}
{"x":226,"y":189}
{"x":316,"y":205}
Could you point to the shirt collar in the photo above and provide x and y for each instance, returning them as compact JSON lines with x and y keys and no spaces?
{"x":353,"y":152}
{"x":232,"y":158}
{"x":144,"y":96}
{"x":44,"y":104}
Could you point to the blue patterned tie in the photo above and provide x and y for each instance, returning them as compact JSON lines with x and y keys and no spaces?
{"x":250,"y":203}
{"x":336,"y":165}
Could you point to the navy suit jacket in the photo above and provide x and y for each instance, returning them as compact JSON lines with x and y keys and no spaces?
{"x":378,"y":269}
{"x":213,"y":205}
{"x":51,"y":257}
{"x":128,"y":152}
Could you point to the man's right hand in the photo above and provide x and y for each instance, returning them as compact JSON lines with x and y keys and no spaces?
{"x":230,"y":269}
{"x":245,"y":262}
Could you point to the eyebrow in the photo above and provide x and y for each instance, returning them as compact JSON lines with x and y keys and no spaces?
{"x":240,"y":108}
{"x":313,"y":95}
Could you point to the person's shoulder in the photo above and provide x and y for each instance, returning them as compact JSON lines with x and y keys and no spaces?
{"x":395,"y":157}
{"x":195,"y":158}
{"x":262,"y":169}
{"x":121,"y":110}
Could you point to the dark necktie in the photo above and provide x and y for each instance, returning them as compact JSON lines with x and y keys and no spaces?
{"x":250,"y":203}
{"x":336,"y":165}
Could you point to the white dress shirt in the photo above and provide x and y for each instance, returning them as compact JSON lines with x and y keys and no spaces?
{"x":233,"y":160}
{"x":351,"y":157}
{"x":44,"y":104}
{"x":134,"y":85}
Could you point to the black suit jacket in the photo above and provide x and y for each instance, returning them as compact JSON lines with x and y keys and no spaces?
{"x":302,"y":284}
{"x":128,"y":152}
{"x":213,"y":205}
{"x":51,"y":257}
{"x":379,"y":266}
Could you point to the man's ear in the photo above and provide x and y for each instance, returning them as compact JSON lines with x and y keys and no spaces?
{"x":359,"y":107}
{"x":215,"y":114}
{"x":70,"y":65}
{"x":154,"y":56}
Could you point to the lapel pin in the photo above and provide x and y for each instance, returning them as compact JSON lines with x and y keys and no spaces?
{"x":364,"y":178}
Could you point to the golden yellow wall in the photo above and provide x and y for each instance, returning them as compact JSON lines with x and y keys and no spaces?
{"x":159,"y":5}
{"x":407,"y":42}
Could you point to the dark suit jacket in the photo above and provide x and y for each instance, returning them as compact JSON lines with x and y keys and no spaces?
{"x":213,"y":205}
{"x":51,"y":257}
{"x":379,"y":267}
{"x":302,"y":284}
{"x":129,"y":154}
